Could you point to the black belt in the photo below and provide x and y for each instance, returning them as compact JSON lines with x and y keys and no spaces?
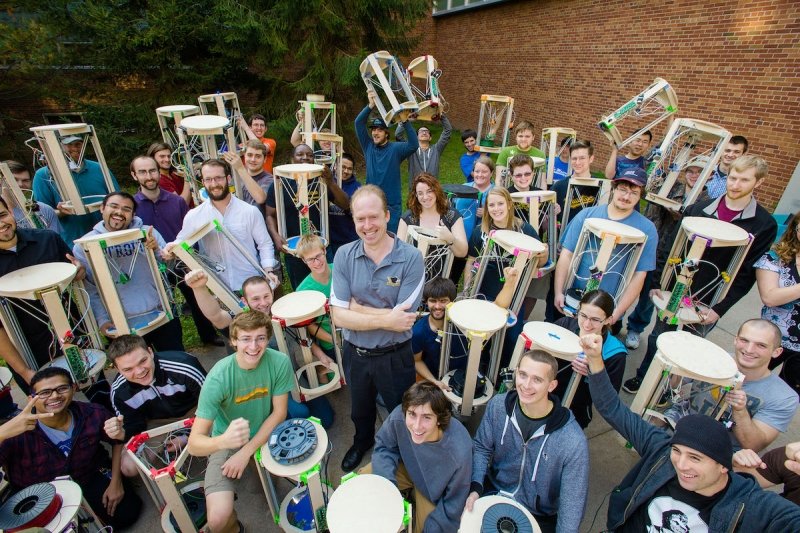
{"x":383,"y":350}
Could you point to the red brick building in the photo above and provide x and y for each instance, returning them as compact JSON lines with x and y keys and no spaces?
{"x":567,"y":62}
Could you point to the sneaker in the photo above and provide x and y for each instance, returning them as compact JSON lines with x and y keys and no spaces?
{"x":664,"y":400}
{"x":632,"y":340}
{"x":632,"y":385}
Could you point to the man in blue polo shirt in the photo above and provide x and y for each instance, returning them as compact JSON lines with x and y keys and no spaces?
{"x":376,"y":289}
{"x":383,"y":158}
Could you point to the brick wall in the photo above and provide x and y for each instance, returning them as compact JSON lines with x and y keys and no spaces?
{"x":566,"y":63}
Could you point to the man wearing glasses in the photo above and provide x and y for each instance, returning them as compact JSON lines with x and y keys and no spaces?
{"x":626,"y":190}
{"x":243,"y":221}
{"x":64,"y":438}
{"x":243,"y":399}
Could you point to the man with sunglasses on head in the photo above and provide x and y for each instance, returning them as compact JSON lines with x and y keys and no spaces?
{"x":65,"y":438}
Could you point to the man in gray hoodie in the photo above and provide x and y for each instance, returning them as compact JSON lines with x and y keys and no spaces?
{"x":530,"y":448}
{"x":421,"y":447}
{"x":137,"y":293}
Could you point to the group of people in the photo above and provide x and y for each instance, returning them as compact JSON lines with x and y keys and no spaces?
{"x":528,"y":446}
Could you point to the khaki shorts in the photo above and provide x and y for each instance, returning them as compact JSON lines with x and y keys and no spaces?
{"x":215,"y":480}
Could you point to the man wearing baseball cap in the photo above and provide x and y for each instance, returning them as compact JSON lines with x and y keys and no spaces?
{"x":88,"y":177}
{"x":383,"y":158}
{"x":626,"y":191}
{"x":665,"y":221}
{"x":687,"y":478}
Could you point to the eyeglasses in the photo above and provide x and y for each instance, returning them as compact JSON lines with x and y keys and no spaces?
{"x":316,"y":259}
{"x":117,"y":207}
{"x":217,"y":179}
{"x":523,"y":175}
{"x":624,"y":191}
{"x":46,"y":393}
{"x":261,"y":339}
{"x":145,"y":172}
{"x":593,"y":319}
{"x":423,"y":194}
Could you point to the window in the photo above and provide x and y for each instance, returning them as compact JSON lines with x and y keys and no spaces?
{"x":446,"y":7}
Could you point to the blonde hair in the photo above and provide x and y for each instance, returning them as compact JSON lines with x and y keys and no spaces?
{"x":308,"y":243}
{"x":751,"y":161}
{"x":511,"y":222}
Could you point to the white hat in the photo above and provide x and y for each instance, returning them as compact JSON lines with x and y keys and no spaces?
{"x":70,"y":139}
{"x":700,"y":161}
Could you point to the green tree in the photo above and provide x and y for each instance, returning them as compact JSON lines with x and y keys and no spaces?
{"x":119,"y":59}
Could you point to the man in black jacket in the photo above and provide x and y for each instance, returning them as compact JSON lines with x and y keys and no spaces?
{"x":150,"y":386}
{"x":740,"y":208}
{"x":689,"y":473}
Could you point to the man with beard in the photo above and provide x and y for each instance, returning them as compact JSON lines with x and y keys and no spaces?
{"x":138,"y":294}
{"x":65,"y":438}
{"x":165,"y":211}
{"x":626,"y":189}
{"x":243,"y":221}
{"x":739,"y":207}
{"x":383,"y":158}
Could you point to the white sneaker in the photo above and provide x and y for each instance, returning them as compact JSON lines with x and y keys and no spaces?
{"x":632,"y":340}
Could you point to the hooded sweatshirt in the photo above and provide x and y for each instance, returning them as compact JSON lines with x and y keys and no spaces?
{"x":439,"y":470}
{"x":548,"y":473}
{"x":138,"y":295}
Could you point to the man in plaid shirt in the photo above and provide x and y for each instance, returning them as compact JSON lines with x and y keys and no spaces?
{"x":65,"y":438}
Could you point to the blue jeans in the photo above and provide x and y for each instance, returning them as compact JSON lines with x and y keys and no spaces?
{"x":643,"y":312}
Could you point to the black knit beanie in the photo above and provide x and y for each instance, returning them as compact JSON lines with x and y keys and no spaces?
{"x":707,"y":436}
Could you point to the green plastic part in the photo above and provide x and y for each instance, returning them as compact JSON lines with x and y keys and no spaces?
{"x":185,"y":246}
{"x":315,"y":420}
{"x":675,"y":298}
{"x":406,"y":513}
{"x":624,"y":109}
{"x":348,"y":477}
{"x":304,"y":475}
{"x":217,"y":225}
